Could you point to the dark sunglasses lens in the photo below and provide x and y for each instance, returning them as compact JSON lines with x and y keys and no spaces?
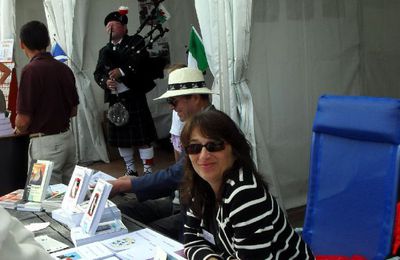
{"x":215,"y":147}
{"x":194,"y":148}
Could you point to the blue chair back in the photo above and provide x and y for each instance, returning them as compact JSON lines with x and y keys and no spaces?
{"x":354,"y":173}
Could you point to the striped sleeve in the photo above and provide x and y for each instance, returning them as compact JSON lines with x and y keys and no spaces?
{"x":196,"y":247}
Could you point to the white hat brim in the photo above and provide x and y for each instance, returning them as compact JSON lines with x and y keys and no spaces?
{"x":182,"y":92}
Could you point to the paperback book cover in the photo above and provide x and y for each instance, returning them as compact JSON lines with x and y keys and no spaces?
{"x":97,"y":202}
{"x":77,"y":187}
{"x":38,"y":180}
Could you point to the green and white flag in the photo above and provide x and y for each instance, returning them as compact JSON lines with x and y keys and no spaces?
{"x":197,"y":54}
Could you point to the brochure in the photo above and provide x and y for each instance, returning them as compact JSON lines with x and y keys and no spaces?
{"x":50,"y":244}
{"x":91,"y":251}
{"x":146,"y":245}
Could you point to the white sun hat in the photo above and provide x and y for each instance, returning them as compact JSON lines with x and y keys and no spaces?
{"x":185,"y":81}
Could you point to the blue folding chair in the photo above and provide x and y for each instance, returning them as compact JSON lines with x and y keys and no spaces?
{"x":354,"y":174}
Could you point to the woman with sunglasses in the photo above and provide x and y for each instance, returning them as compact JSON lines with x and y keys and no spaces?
{"x":231,"y":214}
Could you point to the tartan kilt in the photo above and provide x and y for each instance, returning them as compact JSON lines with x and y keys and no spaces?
{"x":140,"y":129}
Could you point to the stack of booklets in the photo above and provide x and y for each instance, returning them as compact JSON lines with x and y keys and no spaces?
{"x":90,"y":229}
{"x":10,"y":200}
{"x":53,"y":198}
{"x":104,"y":230}
{"x":5,"y":126}
{"x":36,"y":185}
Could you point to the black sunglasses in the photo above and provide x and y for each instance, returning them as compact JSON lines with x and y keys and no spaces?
{"x":210,"y":146}
{"x":172,"y":101}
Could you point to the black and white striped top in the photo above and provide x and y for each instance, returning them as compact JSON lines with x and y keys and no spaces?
{"x":248,"y":225}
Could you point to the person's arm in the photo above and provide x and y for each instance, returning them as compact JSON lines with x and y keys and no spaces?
{"x":16,"y":242}
{"x":160,"y":184}
{"x":101,"y":74}
{"x":22,"y":123}
{"x":151,"y":186}
{"x":6,"y":72}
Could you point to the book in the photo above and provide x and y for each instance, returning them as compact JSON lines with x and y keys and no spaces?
{"x":36,"y":185}
{"x":77,"y":187}
{"x":97,"y":202}
{"x":104,"y":230}
{"x":92,"y":251}
{"x":38,"y":180}
{"x":72,"y":218}
{"x":10,"y":200}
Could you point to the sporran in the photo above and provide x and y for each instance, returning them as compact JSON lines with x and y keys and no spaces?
{"x":118,"y":114}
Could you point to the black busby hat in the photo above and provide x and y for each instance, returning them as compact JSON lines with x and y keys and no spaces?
{"x":116,"y":16}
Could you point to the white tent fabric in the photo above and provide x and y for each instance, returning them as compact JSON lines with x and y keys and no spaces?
{"x":225,"y":26}
{"x":7,"y":19}
{"x":67,"y":20}
{"x":299,"y":51}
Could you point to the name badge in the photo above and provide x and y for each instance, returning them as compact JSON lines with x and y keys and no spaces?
{"x":208,"y":236}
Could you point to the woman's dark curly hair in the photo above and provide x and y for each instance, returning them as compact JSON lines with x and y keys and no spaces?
{"x":196,"y":193}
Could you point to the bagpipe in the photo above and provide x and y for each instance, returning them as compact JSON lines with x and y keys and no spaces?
{"x":138,"y":46}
